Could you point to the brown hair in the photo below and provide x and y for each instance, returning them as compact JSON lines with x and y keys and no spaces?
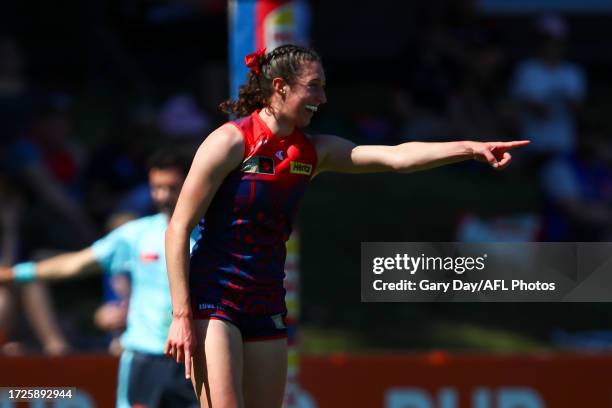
{"x":282,"y":62}
{"x":170,"y":157}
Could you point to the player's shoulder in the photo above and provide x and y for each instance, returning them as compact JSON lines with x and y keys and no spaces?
{"x":224,"y":148}
{"x":228,"y":135}
{"x":326,"y":145}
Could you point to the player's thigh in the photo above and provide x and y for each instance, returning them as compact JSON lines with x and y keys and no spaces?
{"x":265,"y":373}
{"x":217,"y":364}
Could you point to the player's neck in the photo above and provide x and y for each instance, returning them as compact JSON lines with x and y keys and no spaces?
{"x":279,"y":126}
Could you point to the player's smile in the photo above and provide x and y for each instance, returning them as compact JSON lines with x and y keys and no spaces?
{"x":312,"y":108}
{"x":310,"y":88}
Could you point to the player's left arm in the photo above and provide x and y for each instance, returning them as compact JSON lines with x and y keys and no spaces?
{"x":341,"y":155}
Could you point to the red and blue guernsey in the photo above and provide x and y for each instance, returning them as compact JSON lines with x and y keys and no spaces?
{"x":238,"y":262}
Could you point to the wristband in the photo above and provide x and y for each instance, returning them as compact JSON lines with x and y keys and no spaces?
{"x":24,"y":272}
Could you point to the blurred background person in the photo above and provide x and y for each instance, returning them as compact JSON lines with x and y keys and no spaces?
{"x":136,"y":249}
{"x":578,"y":191}
{"x":48,"y":162}
{"x":35,"y":299}
{"x":550,"y":91}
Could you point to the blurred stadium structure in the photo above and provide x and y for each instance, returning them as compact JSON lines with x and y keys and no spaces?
{"x":89,"y":89}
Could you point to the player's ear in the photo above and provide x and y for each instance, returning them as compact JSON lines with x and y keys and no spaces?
{"x":279,"y":85}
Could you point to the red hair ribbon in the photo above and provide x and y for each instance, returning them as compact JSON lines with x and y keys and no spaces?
{"x":254,"y":60}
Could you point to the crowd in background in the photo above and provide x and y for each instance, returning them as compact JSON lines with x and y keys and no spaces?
{"x":72,"y":155}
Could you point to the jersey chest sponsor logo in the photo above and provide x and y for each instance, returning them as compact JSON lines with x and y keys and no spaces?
{"x":300,"y":168}
{"x":258,"y":164}
{"x":147,"y":257}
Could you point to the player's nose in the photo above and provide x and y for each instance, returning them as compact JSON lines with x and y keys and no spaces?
{"x":322,"y":97}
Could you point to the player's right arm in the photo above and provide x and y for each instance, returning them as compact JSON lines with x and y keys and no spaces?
{"x":61,"y":266}
{"x":220,"y":153}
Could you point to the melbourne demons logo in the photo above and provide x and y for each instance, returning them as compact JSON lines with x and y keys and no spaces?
{"x":258,"y":164}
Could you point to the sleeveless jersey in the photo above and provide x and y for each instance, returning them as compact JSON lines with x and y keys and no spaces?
{"x":238,"y":262}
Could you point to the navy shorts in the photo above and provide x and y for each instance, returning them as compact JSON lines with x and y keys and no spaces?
{"x":153,"y":381}
{"x":253,"y":327}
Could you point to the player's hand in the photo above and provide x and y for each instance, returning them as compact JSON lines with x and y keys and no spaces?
{"x":495,"y":153}
{"x":181,"y":341}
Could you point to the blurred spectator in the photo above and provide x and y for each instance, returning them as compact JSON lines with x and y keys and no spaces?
{"x":16,"y":108}
{"x":9,"y":234}
{"x":479,"y":109}
{"x":421,"y":102}
{"x":418,"y":122}
{"x":37,"y":304}
{"x":523,"y":227}
{"x":211,"y":86}
{"x":455,"y":78}
{"x":117,"y":180}
{"x":10,"y":215}
{"x":15,"y":95}
{"x":181,"y":116}
{"x":550,"y":91}
{"x":437,"y":66}
{"x":578,"y":191}
{"x":47,"y":161}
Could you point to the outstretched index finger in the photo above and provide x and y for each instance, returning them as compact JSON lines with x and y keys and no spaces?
{"x":187,"y":363}
{"x":515,"y":144}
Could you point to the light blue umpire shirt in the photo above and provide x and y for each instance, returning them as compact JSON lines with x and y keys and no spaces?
{"x":137,"y":248}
